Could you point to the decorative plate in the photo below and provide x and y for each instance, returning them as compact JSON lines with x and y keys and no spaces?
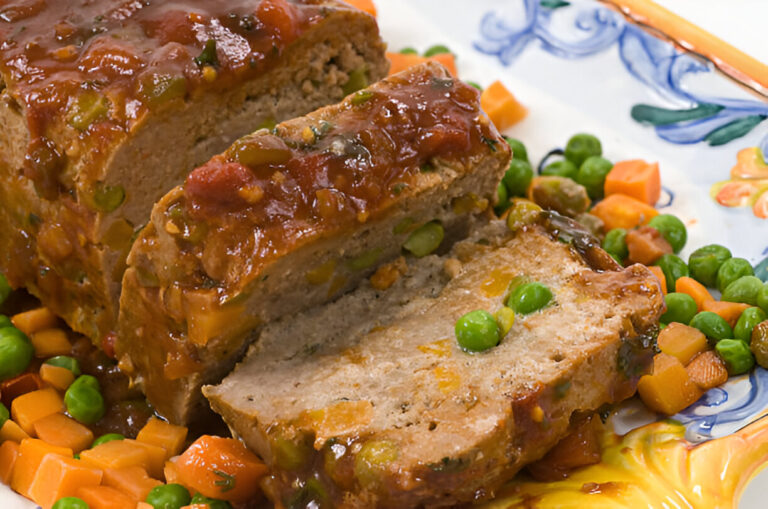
{"x":580,"y":66}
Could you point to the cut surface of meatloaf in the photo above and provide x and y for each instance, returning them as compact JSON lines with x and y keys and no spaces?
{"x":291,"y":218}
{"x":106,"y":105}
{"x":370,"y":402}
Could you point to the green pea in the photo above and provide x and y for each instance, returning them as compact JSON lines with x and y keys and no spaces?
{"x":157,"y":89}
{"x":437,"y":49}
{"x":502,"y":199}
{"x":744,"y":289}
{"x":358,"y":80}
{"x":582,"y":146}
{"x":731,"y":270}
{"x":109,"y":437}
{"x":65,"y":361}
{"x":5,"y":289}
{"x":15,"y":352}
{"x":89,"y":107}
{"x":4,"y":415}
{"x":518,"y":177}
{"x":712,"y":325}
{"x":762,"y":298}
{"x":673,"y":267}
{"x":84,"y":401}
{"x":672,"y":229}
{"x":529,"y":297}
{"x":706,"y":261}
{"x":736,"y":354}
{"x":563,"y":168}
{"x":519,"y":151}
{"x":212,"y":503}
{"x":680,"y":308}
{"x":168,"y":496}
{"x":747,"y":321}
{"x":474,"y":84}
{"x":615,"y":244}
{"x":5,"y":322}
{"x":592,"y":173}
{"x":425,"y":239}
{"x":70,"y":503}
{"x":477,"y":331}
{"x":409,"y":51}
{"x":108,"y":198}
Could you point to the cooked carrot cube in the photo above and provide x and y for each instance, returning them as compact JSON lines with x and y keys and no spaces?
{"x":28,"y":408}
{"x":50,"y":342}
{"x":131,"y":481}
{"x":58,"y":477}
{"x":163,"y":434}
{"x":31,"y":454}
{"x":707,"y":370}
{"x":364,"y":5}
{"x":501,"y":106}
{"x":58,"y":429}
{"x":9,"y":452}
{"x":660,"y":276}
{"x":104,"y":497}
{"x":635,"y":178}
{"x":171,"y":472}
{"x":681,"y":341}
{"x":729,"y":311}
{"x":155,"y":457}
{"x":115,"y":455}
{"x":668,"y":389}
{"x":59,"y":377}
{"x":34,"y":320}
{"x":12,"y":431}
{"x":622,"y":211}
{"x":695,"y":289}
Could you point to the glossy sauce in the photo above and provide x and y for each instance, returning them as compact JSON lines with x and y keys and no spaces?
{"x":130,"y":56}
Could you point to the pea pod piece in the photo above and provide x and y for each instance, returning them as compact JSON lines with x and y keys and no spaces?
{"x":673,"y":268}
{"x":745,"y":289}
{"x":680,"y":308}
{"x":712,"y":325}
{"x":592,"y":174}
{"x":731,"y":270}
{"x":736,"y":354}
{"x":477,"y":331}
{"x":705,"y":262}
{"x":519,"y":151}
{"x":425,"y":239}
{"x":582,"y":146}
{"x":747,"y":321}
{"x":530,"y":297}
{"x":672,"y":229}
{"x":168,"y":496}
{"x":16,"y":352}
{"x":5,"y":289}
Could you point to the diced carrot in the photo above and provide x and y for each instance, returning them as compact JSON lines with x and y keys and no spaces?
{"x":581,"y":447}
{"x":363,"y":5}
{"x":114,"y":455}
{"x":729,"y":311}
{"x":695,"y":289}
{"x":59,"y":377}
{"x":131,"y":481}
{"x":646,"y":245}
{"x":28,"y":408}
{"x":58,"y":429}
{"x":9,"y":452}
{"x":34,"y":320}
{"x":707,"y":370}
{"x":12,"y":431}
{"x":155,"y":457}
{"x":50,"y":342}
{"x":31,"y":453}
{"x":660,"y":276}
{"x":682,"y":341}
{"x":501,"y":106}
{"x":22,"y":384}
{"x":144,"y":505}
{"x":635,"y":178}
{"x":104,"y":497}
{"x":221,"y":468}
{"x":668,"y":389}
{"x":622,"y":211}
{"x":402,"y":61}
{"x":168,"y":436}
{"x":171,"y":472}
{"x":58,"y":477}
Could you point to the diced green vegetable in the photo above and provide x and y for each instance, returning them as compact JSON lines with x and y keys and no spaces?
{"x":358,"y":79}
{"x":88,"y":108}
{"x":361,"y":97}
{"x":156,"y":89}
{"x":364,"y":260}
{"x":425,"y":239}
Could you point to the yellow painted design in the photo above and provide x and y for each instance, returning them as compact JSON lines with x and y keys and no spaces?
{"x":652,"y":467}
{"x":748,"y":186}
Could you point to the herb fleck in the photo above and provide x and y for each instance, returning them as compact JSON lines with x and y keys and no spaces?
{"x":490,"y":142}
{"x":208,"y":55}
{"x":227,"y":481}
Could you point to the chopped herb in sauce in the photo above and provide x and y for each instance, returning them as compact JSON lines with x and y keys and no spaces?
{"x":208,"y":55}
{"x":490,"y":142}
{"x":227,"y":481}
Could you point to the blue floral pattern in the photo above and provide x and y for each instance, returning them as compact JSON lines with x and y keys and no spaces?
{"x":657,"y":64}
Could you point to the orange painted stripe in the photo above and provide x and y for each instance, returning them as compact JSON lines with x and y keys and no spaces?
{"x":726,"y":57}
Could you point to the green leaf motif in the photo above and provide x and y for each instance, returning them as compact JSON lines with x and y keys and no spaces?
{"x":554,"y":4}
{"x":733,"y":130}
{"x":647,"y":114}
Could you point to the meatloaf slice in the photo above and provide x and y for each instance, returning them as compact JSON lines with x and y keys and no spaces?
{"x":370,"y":402}
{"x":106,"y":105}
{"x":291,"y":218}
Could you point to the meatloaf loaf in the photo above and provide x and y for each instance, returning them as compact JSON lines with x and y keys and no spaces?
{"x":106,"y":105}
{"x":370,"y":402}
{"x":290,"y":218}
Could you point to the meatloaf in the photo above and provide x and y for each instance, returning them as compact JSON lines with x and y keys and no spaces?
{"x":106,"y":105}
{"x":370,"y":402}
{"x":293,"y":217}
